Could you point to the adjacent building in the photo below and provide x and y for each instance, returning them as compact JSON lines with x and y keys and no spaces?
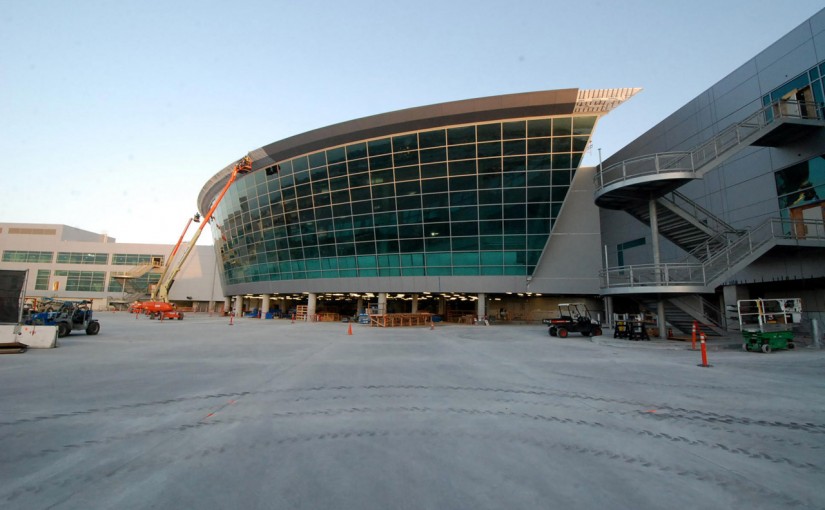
{"x":725,"y":198}
{"x":74,"y":264}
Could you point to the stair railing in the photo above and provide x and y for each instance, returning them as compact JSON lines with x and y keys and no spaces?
{"x":703,"y":274}
{"x":694,"y":160}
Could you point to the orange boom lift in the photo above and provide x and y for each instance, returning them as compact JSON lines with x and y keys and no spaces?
{"x":158,"y":304}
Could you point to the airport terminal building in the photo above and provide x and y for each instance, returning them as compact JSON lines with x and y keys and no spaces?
{"x":459,"y":207}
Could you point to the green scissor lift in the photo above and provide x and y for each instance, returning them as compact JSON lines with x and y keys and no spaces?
{"x":767,"y":324}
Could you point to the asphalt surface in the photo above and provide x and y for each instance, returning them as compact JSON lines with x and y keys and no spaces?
{"x":274,"y":415}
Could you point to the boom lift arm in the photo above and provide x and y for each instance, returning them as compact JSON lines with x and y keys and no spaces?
{"x":162,"y":290}
{"x":196,"y":218}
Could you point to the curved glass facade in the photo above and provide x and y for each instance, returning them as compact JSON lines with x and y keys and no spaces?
{"x":466,"y":200}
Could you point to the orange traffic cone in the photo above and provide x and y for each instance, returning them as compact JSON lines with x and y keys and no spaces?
{"x":349,"y":331}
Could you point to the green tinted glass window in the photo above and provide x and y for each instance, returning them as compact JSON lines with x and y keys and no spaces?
{"x":356,"y":151}
{"x":433,"y":155}
{"x":489,"y":196}
{"x":433,"y":170}
{"x":514,"y":147}
{"x":435,"y":138}
{"x":318,"y":159}
{"x":580,"y":143}
{"x":561,"y":161}
{"x":463,"y":183}
{"x":539,"y":145}
{"x":405,"y":142}
{"x":405,"y":158}
{"x":583,"y":125}
{"x":489,"y":132}
{"x":561,"y":144}
{"x":460,"y":135}
{"x":377,"y":147}
{"x":380,"y":162}
{"x":562,"y":126}
{"x":489,"y":149}
{"x":300,"y":164}
{"x":434,"y":200}
{"x":538,"y":128}
{"x":407,"y":173}
{"x":516,"y":129}
{"x":336,"y":155}
{"x":461,"y":152}
{"x":465,"y":243}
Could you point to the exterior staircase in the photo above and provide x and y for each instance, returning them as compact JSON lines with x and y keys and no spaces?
{"x":682,"y":311}
{"x":715,"y":250}
{"x":685,"y":224}
{"x":136,"y":272}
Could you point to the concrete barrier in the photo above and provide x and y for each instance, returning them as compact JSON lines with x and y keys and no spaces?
{"x":36,"y":337}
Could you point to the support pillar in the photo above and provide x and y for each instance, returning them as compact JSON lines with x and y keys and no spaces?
{"x":415,"y":303}
{"x":481,"y":306}
{"x":608,"y":311}
{"x":730,"y":295}
{"x":359,"y":305}
{"x":312,"y":301}
{"x":654,"y":237}
{"x":382,"y":302}
{"x":238,"y":308}
{"x":265,"y":305}
{"x":227,"y":304}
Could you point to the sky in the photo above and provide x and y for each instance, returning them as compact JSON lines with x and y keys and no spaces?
{"x":115,"y":113}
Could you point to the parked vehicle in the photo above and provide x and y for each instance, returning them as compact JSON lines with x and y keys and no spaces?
{"x":68,"y":316}
{"x":573,"y":317}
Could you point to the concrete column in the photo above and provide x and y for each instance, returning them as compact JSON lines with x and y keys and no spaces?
{"x":227,"y":304}
{"x":360,"y":306}
{"x":661,"y":319}
{"x":442,"y":306}
{"x":264,"y":305}
{"x":382,"y":302}
{"x":654,"y":235}
{"x":415,"y":303}
{"x":608,"y":311}
{"x":312,"y":301}
{"x":238,"y":305}
{"x":730,"y":295}
{"x":481,"y":306}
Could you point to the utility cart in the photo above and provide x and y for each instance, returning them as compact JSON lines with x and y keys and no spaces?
{"x":573,"y":317}
{"x":767,"y":324}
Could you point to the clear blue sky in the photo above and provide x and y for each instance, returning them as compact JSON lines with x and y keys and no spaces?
{"x":115,"y":113}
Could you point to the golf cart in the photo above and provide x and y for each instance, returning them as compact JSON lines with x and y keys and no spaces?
{"x":575,"y":318}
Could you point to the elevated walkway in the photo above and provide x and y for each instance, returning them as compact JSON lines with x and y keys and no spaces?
{"x":704,"y":276}
{"x":655,"y":175}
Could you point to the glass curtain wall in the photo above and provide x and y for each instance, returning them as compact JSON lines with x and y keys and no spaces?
{"x":459,"y":201}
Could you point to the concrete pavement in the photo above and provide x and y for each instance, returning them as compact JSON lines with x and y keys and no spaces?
{"x":268,"y":414}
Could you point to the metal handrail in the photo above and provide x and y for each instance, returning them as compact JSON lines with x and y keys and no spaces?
{"x":697,"y":211}
{"x":704,"y":273}
{"x":694,"y":160}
